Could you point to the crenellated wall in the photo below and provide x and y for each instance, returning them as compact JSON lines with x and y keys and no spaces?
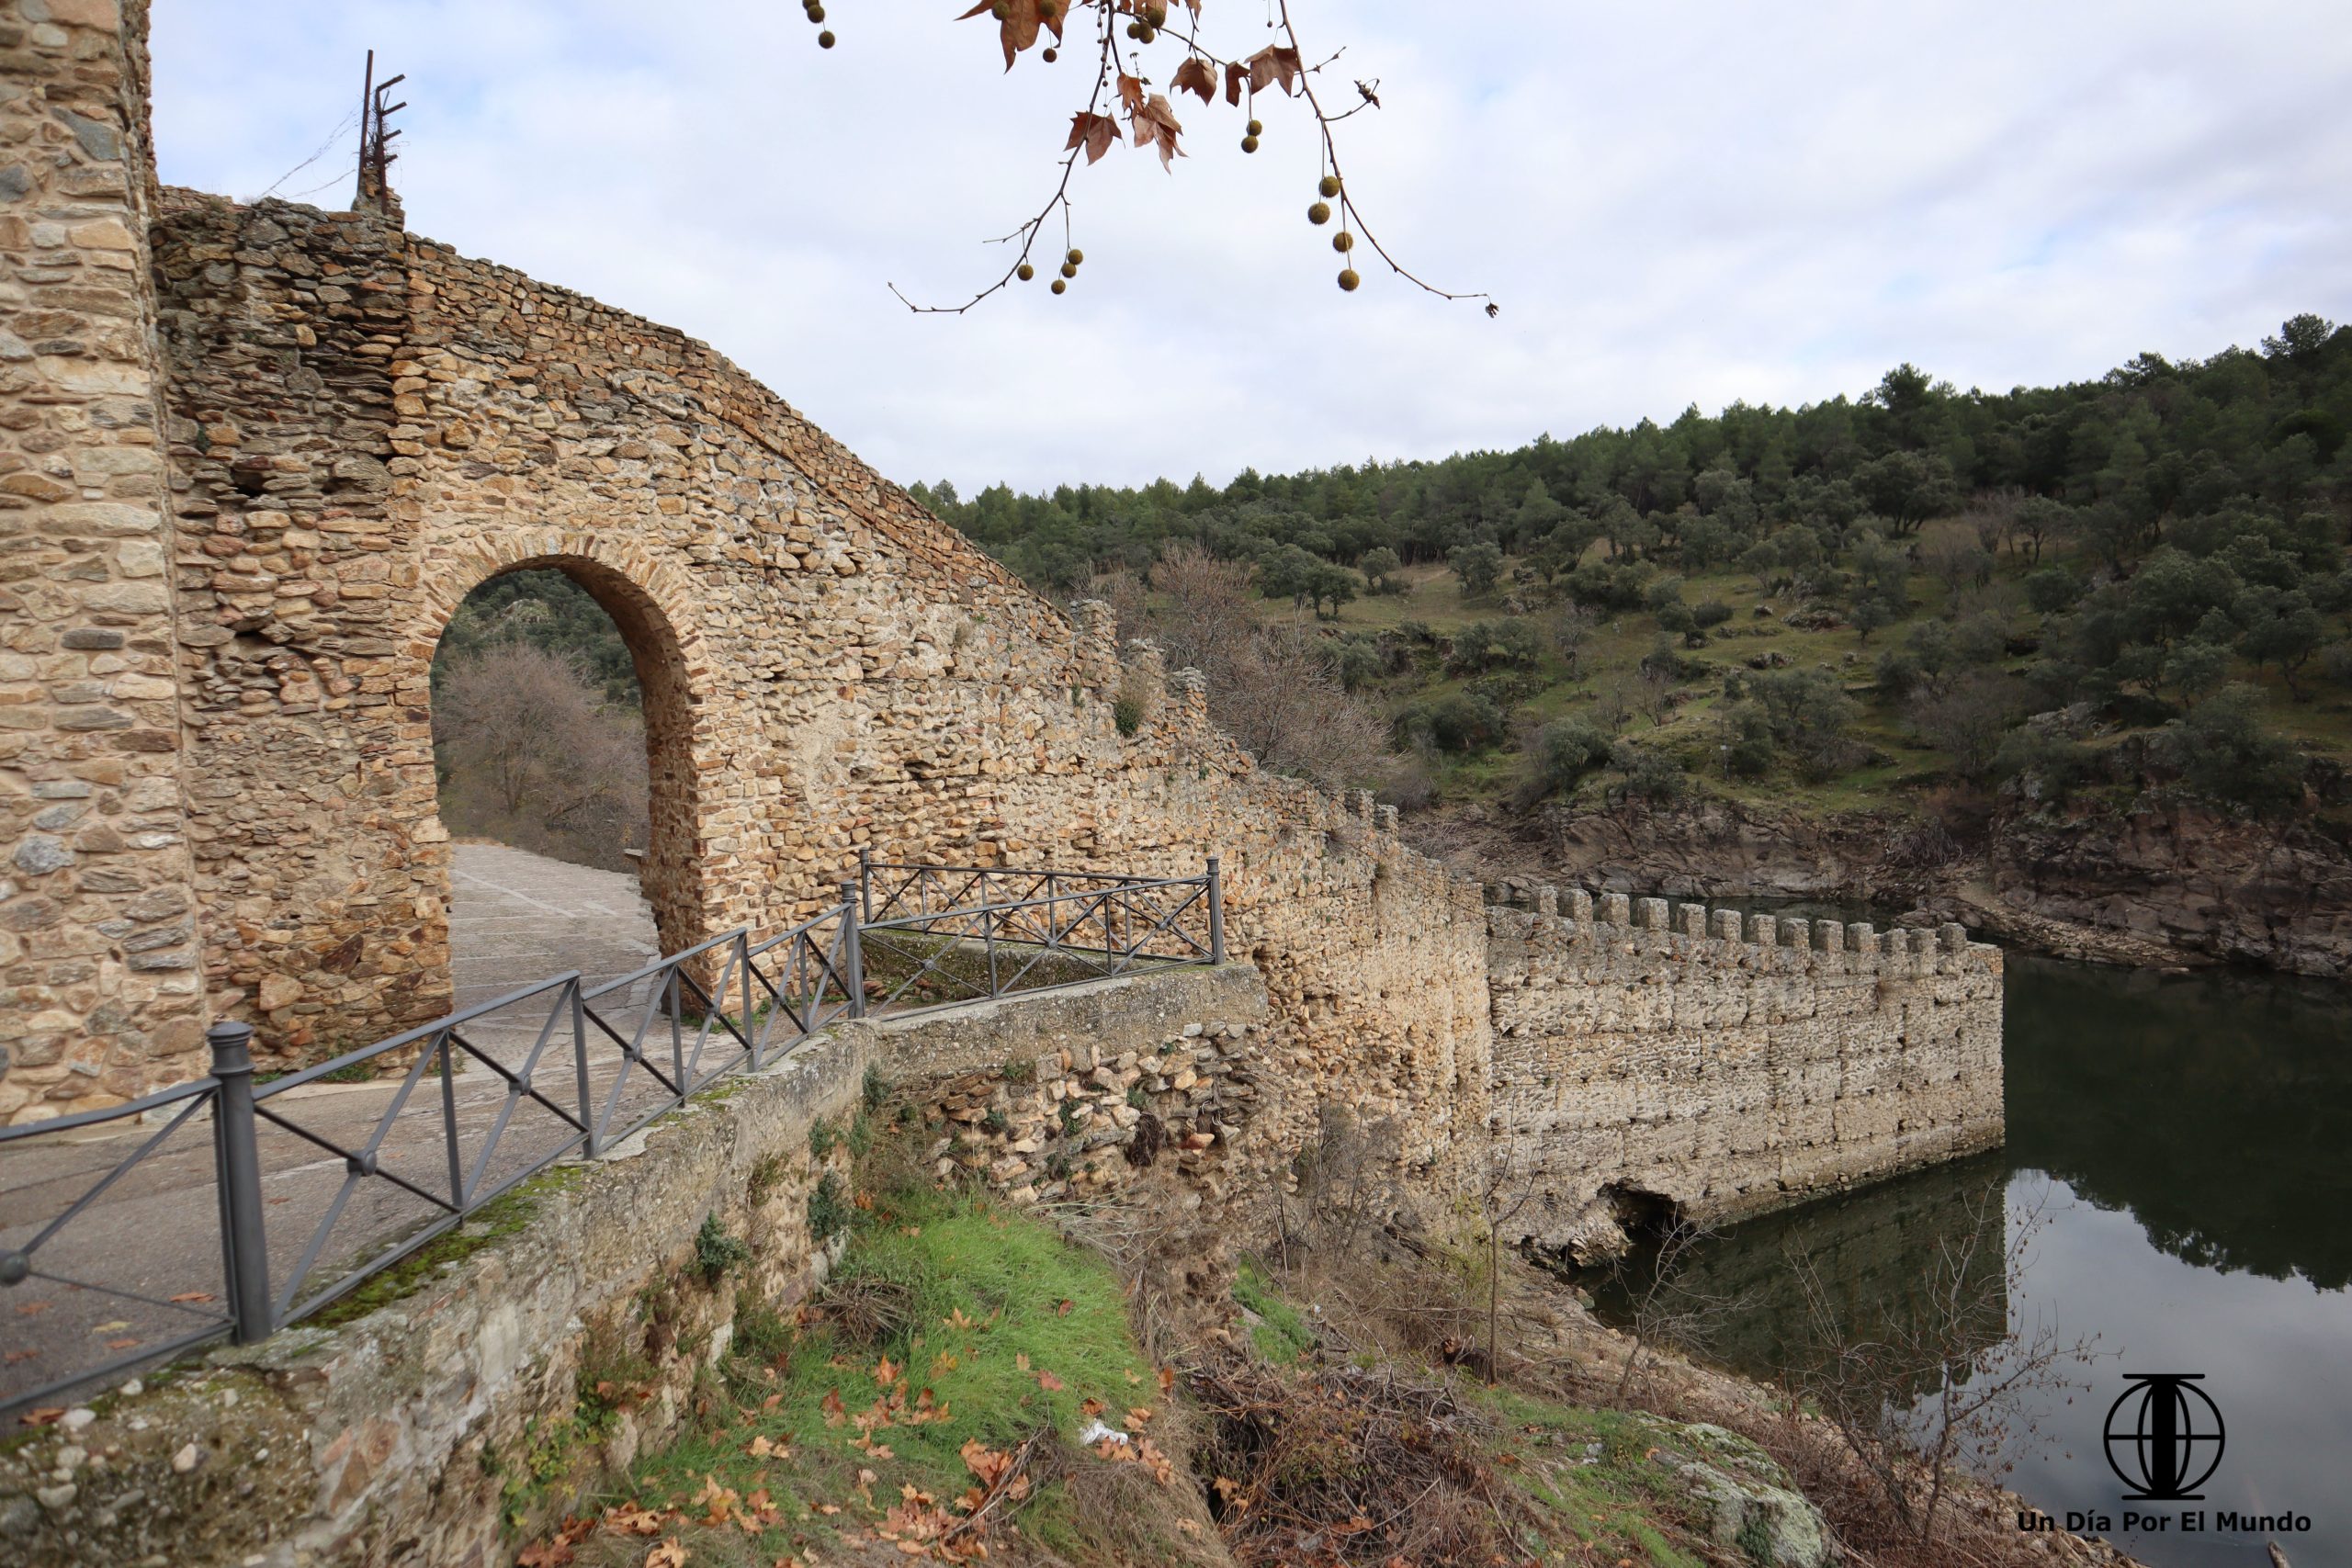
{"x":1730,"y":1062}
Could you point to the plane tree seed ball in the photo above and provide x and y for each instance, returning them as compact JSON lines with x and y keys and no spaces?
{"x":1060,"y":286}
{"x":1320,"y":213}
{"x":1330,"y":185}
{"x":1348,"y":281}
{"x":1344,"y":241}
{"x":1249,"y":145}
{"x":1257,"y":128}
{"x":1069,"y":271}
{"x":1025,"y":272}
{"x":825,"y":39}
{"x":1076,"y":258}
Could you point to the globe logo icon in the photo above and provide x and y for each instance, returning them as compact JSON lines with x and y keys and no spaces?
{"x":2164,"y":1436}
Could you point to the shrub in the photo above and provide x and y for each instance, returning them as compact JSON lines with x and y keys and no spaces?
{"x":1650,"y":775}
{"x":1564,"y":752}
{"x":716,"y":1252}
{"x":829,"y":1207}
{"x":2223,"y":755}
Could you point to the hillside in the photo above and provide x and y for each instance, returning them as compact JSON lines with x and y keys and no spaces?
{"x":1924,"y":599}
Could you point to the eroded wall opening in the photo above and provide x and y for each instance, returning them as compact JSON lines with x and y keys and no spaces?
{"x":561,"y":731}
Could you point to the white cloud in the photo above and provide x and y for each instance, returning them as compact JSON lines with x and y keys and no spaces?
{"x":1693,"y":203}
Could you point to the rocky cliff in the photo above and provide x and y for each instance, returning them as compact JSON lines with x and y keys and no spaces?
{"x":2156,"y":884}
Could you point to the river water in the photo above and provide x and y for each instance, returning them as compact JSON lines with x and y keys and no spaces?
{"x":2179,"y":1159}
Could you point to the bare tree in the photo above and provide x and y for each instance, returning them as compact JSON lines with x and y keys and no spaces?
{"x":1665,"y":1307}
{"x":1956,"y":561}
{"x":1569,"y":625}
{"x":531,"y":754}
{"x":1941,"y":1376}
{"x":1275,"y":688}
{"x":1970,"y":719}
{"x":1655,"y":692}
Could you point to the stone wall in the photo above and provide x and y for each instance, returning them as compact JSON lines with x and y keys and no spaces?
{"x":1728,"y":1064}
{"x":365,"y":426}
{"x":98,"y":984}
{"x":444,"y":1427}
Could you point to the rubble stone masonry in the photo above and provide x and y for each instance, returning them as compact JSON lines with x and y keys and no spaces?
{"x":1647,"y":1054}
{"x":99,"y":985}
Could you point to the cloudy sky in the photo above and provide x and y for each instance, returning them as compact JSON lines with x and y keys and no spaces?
{"x":1699,"y":201}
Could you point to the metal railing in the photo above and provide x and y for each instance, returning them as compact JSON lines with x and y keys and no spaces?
{"x":937,"y":936}
{"x":557,"y":1069}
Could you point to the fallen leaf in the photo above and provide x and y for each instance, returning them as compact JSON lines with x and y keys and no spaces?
{"x":1063,"y":1310}
{"x":1021,"y":1360}
{"x":630,"y":1519}
{"x":1166,"y":1379}
{"x":1139,"y":1417}
{"x":47,"y":1414}
{"x":13,"y":1357}
{"x":117,"y":1326}
{"x":31,"y":1309}
{"x":196,"y":1296}
{"x":121,"y":1344}
{"x":671,"y":1553}
{"x":1049,"y":1382}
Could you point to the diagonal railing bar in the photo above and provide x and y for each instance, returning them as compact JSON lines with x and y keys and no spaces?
{"x":122,"y":1168}
{"x":972,"y":932}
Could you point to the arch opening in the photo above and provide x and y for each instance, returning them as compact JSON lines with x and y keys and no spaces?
{"x":562,"y":722}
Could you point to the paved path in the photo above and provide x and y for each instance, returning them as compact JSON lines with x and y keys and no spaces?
{"x":515,"y":918}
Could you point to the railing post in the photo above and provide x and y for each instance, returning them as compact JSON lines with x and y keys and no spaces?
{"x":864,"y":883}
{"x":1217,"y":912}
{"x":752,"y":1039}
{"x":852,"y":952}
{"x":237,"y":1162}
{"x":593,"y":1146}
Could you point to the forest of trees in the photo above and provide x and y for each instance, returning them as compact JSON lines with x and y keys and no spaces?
{"x":2158,"y":549}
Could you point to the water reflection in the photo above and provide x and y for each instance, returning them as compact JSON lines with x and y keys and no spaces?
{"x":1872,"y":1251}
{"x":2211,"y":1107}
{"x":2181,"y":1138}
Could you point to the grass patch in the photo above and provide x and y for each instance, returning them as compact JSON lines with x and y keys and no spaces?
{"x":1280,"y":1334}
{"x":1001,"y":1334}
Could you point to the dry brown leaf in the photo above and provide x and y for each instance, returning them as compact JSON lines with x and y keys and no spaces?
{"x":1098,"y":133}
{"x":1195,"y":75}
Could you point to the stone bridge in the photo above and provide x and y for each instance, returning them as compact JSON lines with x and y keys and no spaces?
{"x":255,"y":456}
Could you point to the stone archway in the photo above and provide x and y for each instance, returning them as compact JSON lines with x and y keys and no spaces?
{"x":652,"y":616}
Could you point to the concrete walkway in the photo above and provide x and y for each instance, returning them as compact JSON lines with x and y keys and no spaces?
{"x":516,"y":919}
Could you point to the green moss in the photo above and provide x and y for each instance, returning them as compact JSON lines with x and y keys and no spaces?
{"x":501,"y":1217}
